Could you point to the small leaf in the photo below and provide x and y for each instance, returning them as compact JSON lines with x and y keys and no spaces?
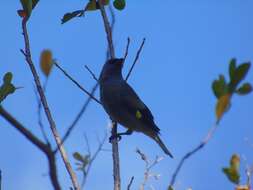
{"x":240,"y":73}
{"x":46,"y":62}
{"x":222,"y":105}
{"x":27,"y":6}
{"x":170,"y":188}
{"x":69,"y":16}
{"x":7,"y":88}
{"x":232,"y":175}
{"x":119,"y":4}
{"x":232,"y":172}
{"x":220,"y":87}
{"x":91,"y":6}
{"x":232,"y":68}
{"x":7,"y":77}
{"x":244,"y":89}
{"x":78,"y":156}
{"x":235,"y":161}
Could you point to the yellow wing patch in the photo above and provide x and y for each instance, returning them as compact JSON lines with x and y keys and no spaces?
{"x":138,"y":114}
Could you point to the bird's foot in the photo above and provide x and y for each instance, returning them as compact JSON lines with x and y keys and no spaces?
{"x":117,"y":137}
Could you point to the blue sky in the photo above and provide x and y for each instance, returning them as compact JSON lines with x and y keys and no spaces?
{"x":188,"y":43}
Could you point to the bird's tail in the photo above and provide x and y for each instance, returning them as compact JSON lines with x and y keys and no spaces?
{"x":162,"y":145}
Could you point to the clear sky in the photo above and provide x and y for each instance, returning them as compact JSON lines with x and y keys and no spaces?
{"x":188,"y":43}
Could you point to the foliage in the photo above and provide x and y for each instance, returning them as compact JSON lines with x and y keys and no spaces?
{"x":46,"y":62}
{"x":28,"y":6}
{"x":7,"y":87}
{"x":224,"y":90}
{"x":233,"y":174}
{"x":92,"y":5}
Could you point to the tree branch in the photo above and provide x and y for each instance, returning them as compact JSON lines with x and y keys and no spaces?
{"x":46,"y":108}
{"x":78,"y":117}
{"x":92,"y":157}
{"x":77,"y":84}
{"x":115,"y":148}
{"x":136,"y":59}
{"x":46,"y":149}
{"x":130,"y":183}
{"x":127,"y":47}
{"x":92,"y":74}
{"x":107,"y":29}
{"x":192,"y":152}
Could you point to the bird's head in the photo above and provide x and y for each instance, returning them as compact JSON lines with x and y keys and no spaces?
{"x":112,"y":69}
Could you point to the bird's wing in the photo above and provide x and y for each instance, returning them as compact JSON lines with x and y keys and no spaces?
{"x":130,"y":100}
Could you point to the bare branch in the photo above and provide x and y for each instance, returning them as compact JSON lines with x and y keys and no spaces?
{"x":127,"y":48}
{"x":107,"y":29}
{"x":130,"y":183}
{"x":40,"y":123}
{"x":46,"y":149}
{"x":192,"y":152}
{"x":92,"y":158}
{"x":76,"y":83}
{"x":115,"y":148}
{"x":50,"y":119}
{"x":136,"y":59}
{"x":78,"y":117}
{"x":148,"y":167}
{"x":92,"y":74}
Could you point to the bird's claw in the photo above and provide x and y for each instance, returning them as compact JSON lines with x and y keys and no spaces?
{"x":117,"y":137}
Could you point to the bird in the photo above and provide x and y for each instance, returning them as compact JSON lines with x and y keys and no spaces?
{"x":124,"y":106}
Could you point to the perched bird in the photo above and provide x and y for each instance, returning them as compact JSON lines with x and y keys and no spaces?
{"x":124,"y":106}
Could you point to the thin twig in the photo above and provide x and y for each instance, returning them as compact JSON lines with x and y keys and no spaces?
{"x":127,"y":48}
{"x":115,"y":148}
{"x":78,"y":117}
{"x":46,"y":149}
{"x":130,"y":183}
{"x":192,"y":152}
{"x":92,"y":158}
{"x":113,"y":21}
{"x":136,"y":59}
{"x":40,"y":123}
{"x":148,"y":167}
{"x":50,"y":119}
{"x":92,"y":73}
{"x":115,"y":157}
{"x":76,"y":83}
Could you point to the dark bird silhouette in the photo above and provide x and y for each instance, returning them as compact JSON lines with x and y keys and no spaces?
{"x":124,"y":106}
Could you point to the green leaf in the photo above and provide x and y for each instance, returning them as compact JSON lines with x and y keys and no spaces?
{"x":91,"y":6}
{"x":232,"y":175}
{"x":7,"y":77}
{"x":232,"y":68}
{"x":240,"y":73}
{"x":232,"y":172}
{"x":220,"y":87}
{"x":78,"y":156}
{"x":27,"y":6}
{"x":170,"y":188}
{"x":7,"y":88}
{"x":69,"y":16}
{"x":119,"y":4}
{"x":83,"y":159}
{"x":244,"y":89}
